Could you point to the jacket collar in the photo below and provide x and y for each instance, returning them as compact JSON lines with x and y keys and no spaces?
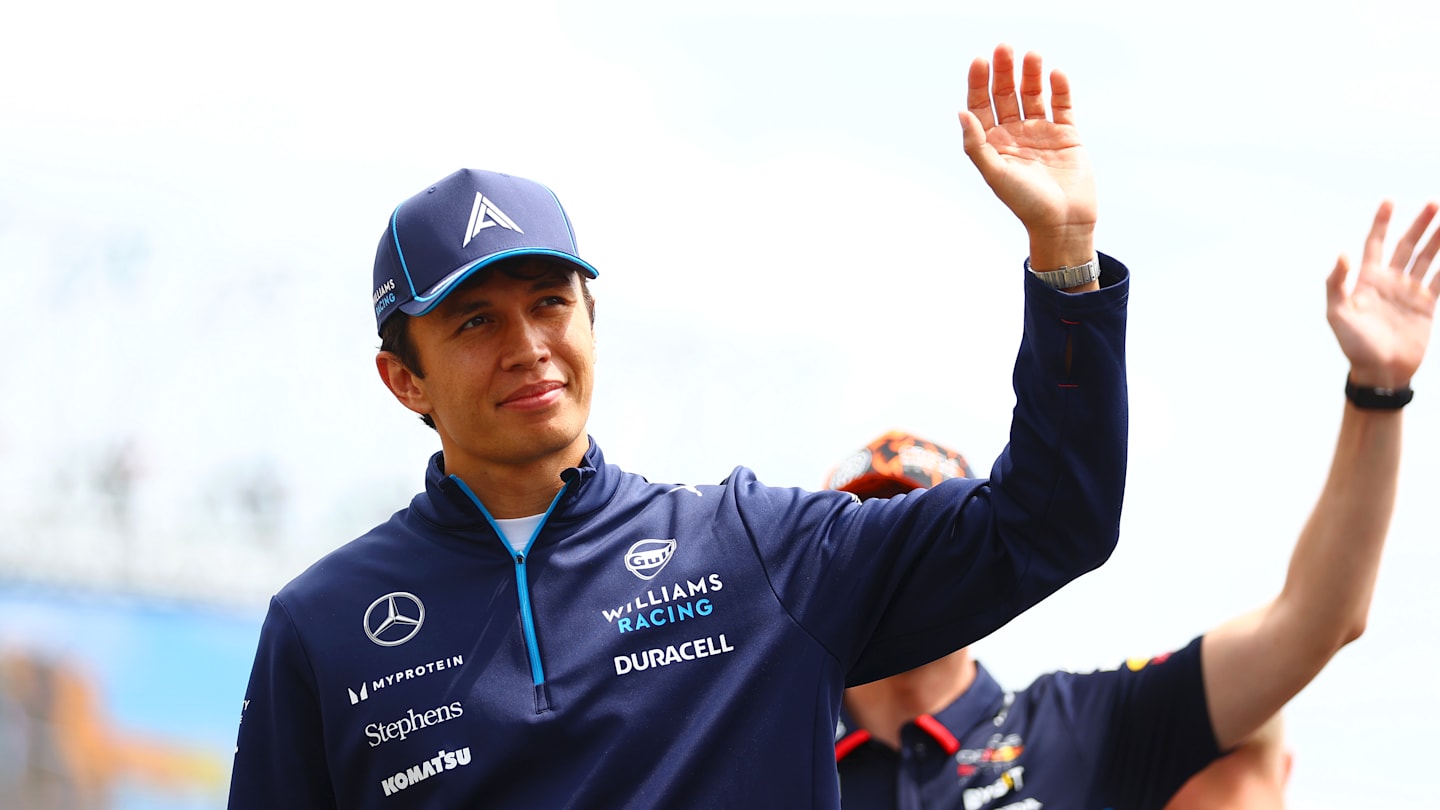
{"x":983,"y":701}
{"x":445,"y":504}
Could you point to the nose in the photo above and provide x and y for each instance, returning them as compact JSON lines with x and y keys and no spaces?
{"x":526,"y":345}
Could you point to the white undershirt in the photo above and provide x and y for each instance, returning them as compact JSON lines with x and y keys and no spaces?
{"x":517,"y":531}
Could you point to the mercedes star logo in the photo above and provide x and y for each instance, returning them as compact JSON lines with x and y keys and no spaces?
{"x":398,"y":622}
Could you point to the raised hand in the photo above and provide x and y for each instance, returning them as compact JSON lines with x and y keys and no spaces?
{"x":1383,"y":324}
{"x":1036,"y":166}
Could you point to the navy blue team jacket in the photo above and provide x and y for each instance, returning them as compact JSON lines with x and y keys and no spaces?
{"x":1122,"y":739}
{"x":659,"y":645}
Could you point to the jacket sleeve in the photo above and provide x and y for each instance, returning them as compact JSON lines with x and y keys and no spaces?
{"x":280,"y":750}
{"x":888,"y":585}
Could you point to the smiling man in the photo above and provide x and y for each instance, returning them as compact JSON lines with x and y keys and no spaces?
{"x":540,"y":628}
{"x":504,"y":368}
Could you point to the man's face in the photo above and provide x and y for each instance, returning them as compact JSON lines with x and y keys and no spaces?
{"x":509,"y":362}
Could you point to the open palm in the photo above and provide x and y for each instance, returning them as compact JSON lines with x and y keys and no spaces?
{"x":1383,"y":324}
{"x":1035,"y":165}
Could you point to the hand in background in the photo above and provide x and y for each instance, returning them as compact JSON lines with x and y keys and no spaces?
{"x":1383,"y":324}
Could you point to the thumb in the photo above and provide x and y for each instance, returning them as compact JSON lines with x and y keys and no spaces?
{"x":1335,"y":284}
{"x":977,"y":147}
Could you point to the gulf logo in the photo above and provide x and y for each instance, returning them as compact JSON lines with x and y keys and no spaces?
{"x":647,"y":558}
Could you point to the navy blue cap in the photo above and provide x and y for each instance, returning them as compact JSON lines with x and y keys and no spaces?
{"x":472,"y":218}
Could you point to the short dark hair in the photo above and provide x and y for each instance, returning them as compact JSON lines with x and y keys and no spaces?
{"x":395,"y":332}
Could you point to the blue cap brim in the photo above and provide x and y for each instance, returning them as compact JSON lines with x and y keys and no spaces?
{"x":432,"y":297}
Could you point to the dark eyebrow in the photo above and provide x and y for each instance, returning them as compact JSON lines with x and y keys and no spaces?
{"x":461,"y":307}
{"x":550,"y":281}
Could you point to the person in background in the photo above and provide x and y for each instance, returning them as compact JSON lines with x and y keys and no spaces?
{"x":1252,"y":777}
{"x":1198,"y":728}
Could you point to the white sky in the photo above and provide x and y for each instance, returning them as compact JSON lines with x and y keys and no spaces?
{"x":795,"y":255}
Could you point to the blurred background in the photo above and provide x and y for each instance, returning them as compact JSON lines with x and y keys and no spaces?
{"x":795,"y":256}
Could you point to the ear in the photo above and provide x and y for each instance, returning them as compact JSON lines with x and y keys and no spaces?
{"x":594,"y":337}
{"x":406,"y":385}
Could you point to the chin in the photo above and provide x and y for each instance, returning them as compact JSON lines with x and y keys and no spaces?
{"x":553,"y":438}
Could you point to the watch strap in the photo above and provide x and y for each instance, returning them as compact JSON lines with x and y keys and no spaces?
{"x":1066,"y":277}
{"x":1379,"y":399}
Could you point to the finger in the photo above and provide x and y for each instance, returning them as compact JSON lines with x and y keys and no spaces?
{"x":981,"y":153}
{"x":970,"y":129}
{"x":1060,"y":98}
{"x":1421,"y":265}
{"x":1007,"y":107}
{"x":1032,"y":87}
{"x":978,"y":99}
{"x":1335,"y":283}
{"x":1406,"y":246}
{"x":1427,"y":255}
{"x":977,"y":147}
{"x":1375,"y":242}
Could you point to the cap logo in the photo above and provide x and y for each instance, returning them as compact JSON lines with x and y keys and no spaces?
{"x":484,"y":214}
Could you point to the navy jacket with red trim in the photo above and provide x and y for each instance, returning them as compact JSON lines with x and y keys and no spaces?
{"x":659,"y":645}
{"x":1122,"y":739}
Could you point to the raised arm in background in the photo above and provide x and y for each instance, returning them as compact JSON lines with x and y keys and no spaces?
{"x":1255,"y":663}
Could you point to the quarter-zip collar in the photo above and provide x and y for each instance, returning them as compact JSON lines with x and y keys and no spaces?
{"x":587,"y":488}
{"x":451,"y":505}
